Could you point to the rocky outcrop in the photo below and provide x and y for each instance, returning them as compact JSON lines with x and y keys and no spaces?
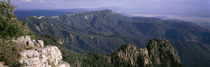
{"x":43,"y":56}
{"x":130,"y":55}
{"x":162,"y":53}
{"x":28,"y":41}
{"x":49,"y":56}
{"x":159,"y":53}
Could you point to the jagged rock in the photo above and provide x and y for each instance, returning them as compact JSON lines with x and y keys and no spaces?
{"x":49,"y":56}
{"x":28,"y":41}
{"x":159,"y":53}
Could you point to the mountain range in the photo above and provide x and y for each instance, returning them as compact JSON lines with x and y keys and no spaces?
{"x":204,"y":24}
{"x":105,"y":31}
{"x":21,"y":13}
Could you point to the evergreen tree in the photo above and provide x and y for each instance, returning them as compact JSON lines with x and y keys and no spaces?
{"x":9,"y":25}
{"x":7,"y":9}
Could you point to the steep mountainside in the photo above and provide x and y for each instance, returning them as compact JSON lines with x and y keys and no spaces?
{"x":105,"y":31}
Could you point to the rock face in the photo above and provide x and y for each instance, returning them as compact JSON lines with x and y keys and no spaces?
{"x":42,"y":56}
{"x":159,"y":53}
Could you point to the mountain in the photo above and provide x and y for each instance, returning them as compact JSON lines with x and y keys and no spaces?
{"x":105,"y":31}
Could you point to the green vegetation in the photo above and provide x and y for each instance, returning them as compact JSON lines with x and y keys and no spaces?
{"x":76,"y":59}
{"x":9,"y":53}
{"x":10,"y":29}
{"x":7,"y":10}
{"x":9,"y":25}
{"x":96,"y":60}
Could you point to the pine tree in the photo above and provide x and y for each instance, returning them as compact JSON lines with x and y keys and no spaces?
{"x":7,"y":9}
{"x":9,"y":25}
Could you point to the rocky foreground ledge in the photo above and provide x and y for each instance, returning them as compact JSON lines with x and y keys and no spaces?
{"x":40,"y":56}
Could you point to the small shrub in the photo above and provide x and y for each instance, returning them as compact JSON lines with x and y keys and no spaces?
{"x":10,"y":55}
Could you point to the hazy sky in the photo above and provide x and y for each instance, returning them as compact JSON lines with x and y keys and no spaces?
{"x":136,"y":4}
{"x":188,"y":6}
{"x":198,"y":7}
{"x":150,"y":5}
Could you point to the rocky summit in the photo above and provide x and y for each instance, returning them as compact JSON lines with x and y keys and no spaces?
{"x":158,"y":53}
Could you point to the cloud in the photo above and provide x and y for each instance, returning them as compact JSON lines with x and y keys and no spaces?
{"x":27,"y":1}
